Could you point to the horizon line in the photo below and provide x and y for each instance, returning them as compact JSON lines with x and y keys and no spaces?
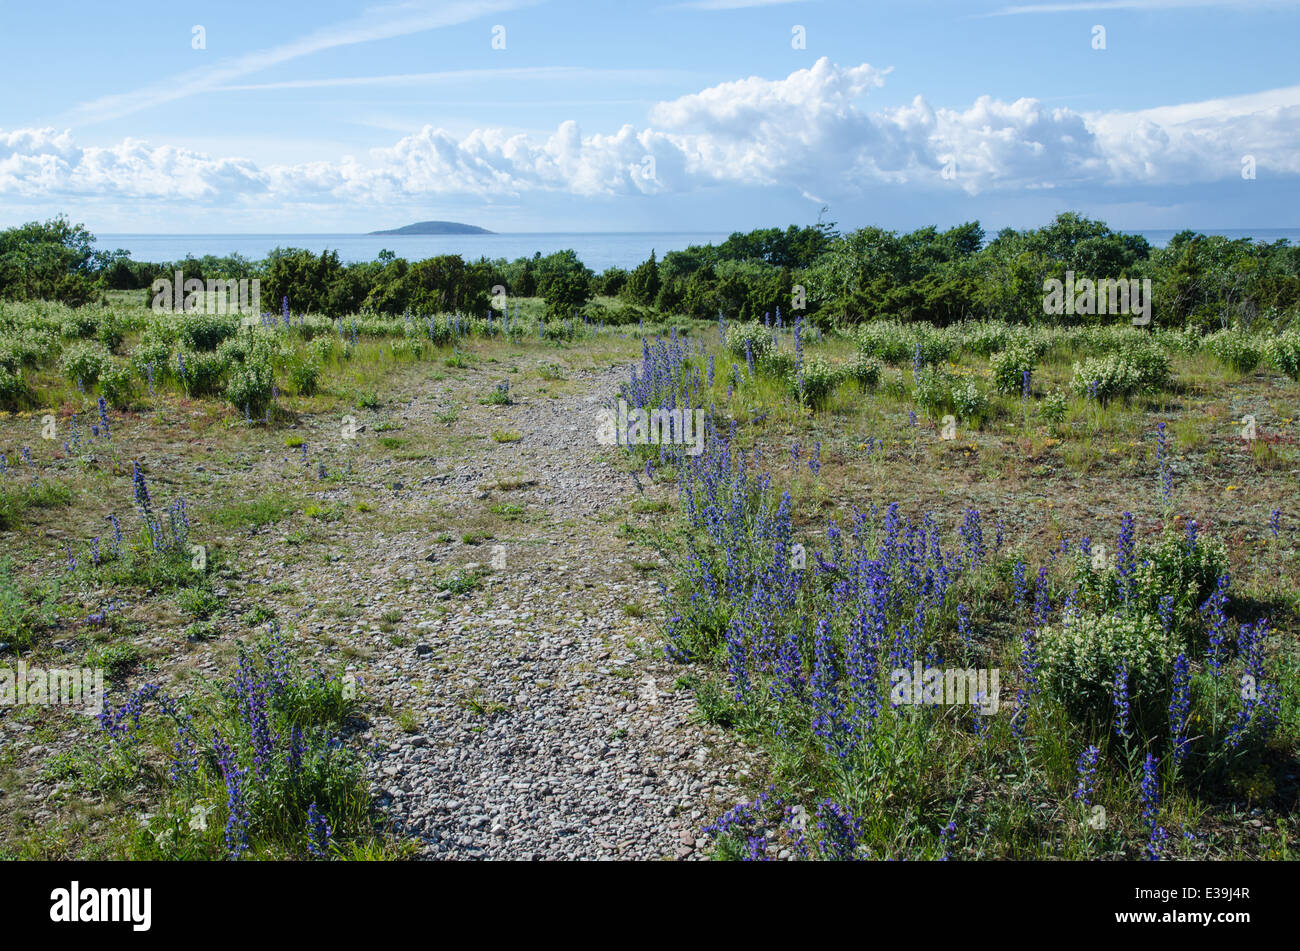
{"x":370,"y":234}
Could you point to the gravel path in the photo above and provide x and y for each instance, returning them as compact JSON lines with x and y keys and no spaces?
{"x":549,"y":724}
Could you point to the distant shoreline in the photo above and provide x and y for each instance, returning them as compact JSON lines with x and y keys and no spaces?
{"x":429,"y":228}
{"x":1294,"y":230}
{"x":597,"y":249}
{"x":372,"y":234}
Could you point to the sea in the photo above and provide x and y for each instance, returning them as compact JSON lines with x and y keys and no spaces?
{"x":598,"y":250}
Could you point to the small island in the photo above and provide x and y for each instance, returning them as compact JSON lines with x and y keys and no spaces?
{"x":437,"y":227}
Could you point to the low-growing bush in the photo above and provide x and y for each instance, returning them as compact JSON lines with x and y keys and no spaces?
{"x":152,"y":351}
{"x":112,"y":329}
{"x":1009,"y":368}
{"x":886,"y":340}
{"x":750,"y":340}
{"x":117,"y":384}
{"x":984,"y":337}
{"x":1186,"y":341}
{"x":262,"y":755}
{"x":864,"y":371}
{"x":250,"y":386}
{"x":1121,"y":375}
{"x":1054,"y":407}
{"x":206,"y":331}
{"x":896,"y":343}
{"x":1081,"y":654}
{"x":78,"y":324}
{"x":814,"y":382}
{"x":1153,"y":367}
{"x":83,"y":362}
{"x":13,"y":389}
{"x":1284,"y":351}
{"x":1171,"y":566}
{"x":26,"y":348}
{"x":1236,"y":350}
{"x":200,"y":374}
{"x":939,"y":391}
{"x":933,"y":390}
{"x":304,"y":376}
{"x":968,"y":400}
{"x":779,"y":363}
{"x":323,"y":348}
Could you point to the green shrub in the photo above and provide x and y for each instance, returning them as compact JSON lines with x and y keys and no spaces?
{"x":1187,"y":573}
{"x":116,"y":659}
{"x":323,"y":348}
{"x":78,"y":324}
{"x":298,"y":769}
{"x":933,"y":390}
{"x":1186,"y":341}
{"x":250,"y":385}
{"x":83,"y":362}
{"x":886,"y":340}
{"x":1284,"y":351}
{"x":152,"y":350}
{"x":1153,"y":367}
{"x":1080,"y":655}
{"x":13,"y":389}
{"x":1009,"y":369}
{"x":117,"y":384}
{"x":937,"y":344}
{"x":1236,"y":350}
{"x":984,"y":338}
{"x":779,"y":363}
{"x":814,"y":382}
{"x":305,"y":376}
{"x":256,"y":344}
{"x":112,"y":329}
{"x":200,"y":373}
{"x":500,"y":396}
{"x":750,"y":338}
{"x":968,"y":400}
{"x":206,"y":331}
{"x":1121,"y":375}
{"x":440,"y":335}
{"x":1034,"y":341}
{"x":1105,"y":338}
{"x":1167,"y":566}
{"x":1054,"y":407}
{"x":235,"y":349}
{"x":198,"y":601}
{"x":895,"y":343}
{"x":559,"y":328}
{"x":864,"y":371}
{"x":28,"y":347}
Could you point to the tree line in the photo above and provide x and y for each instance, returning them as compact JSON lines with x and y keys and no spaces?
{"x":832,"y":278}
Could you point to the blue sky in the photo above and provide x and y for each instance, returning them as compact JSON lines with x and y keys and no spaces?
{"x":339,"y":116}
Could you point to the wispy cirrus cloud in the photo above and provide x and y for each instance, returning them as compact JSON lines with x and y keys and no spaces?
{"x":1101,"y":6}
{"x":378,"y":23}
{"x":729,"y":4}
{"x":471,"y":75}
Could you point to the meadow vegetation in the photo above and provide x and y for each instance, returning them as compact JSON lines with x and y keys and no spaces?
{"x":918,"y":467}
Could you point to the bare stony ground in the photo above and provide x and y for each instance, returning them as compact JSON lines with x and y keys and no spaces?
{"x":534,"y":717}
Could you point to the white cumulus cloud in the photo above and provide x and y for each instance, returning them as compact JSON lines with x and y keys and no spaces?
{"x":810,"y":131}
